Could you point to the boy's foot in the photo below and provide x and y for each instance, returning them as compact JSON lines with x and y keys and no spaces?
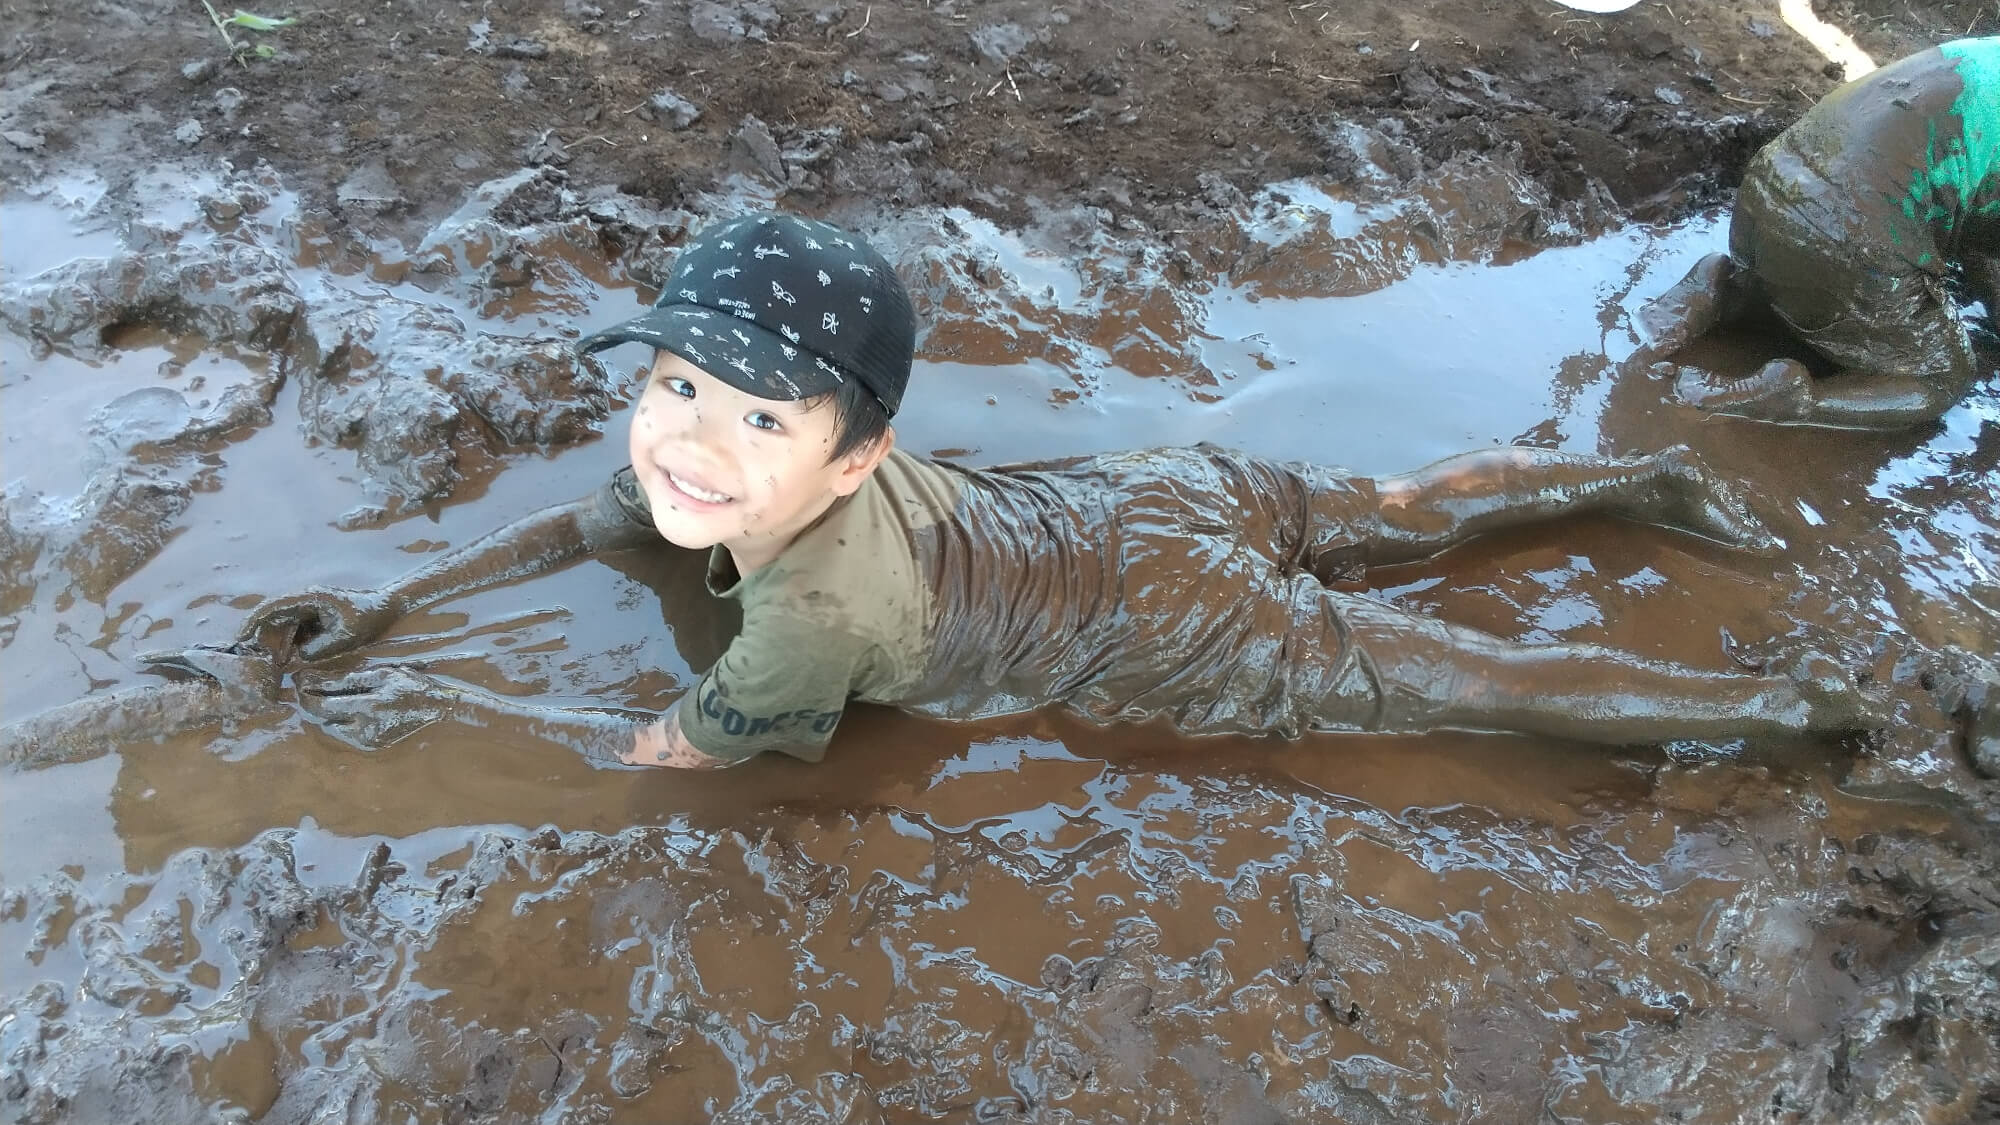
{"x":1780,"y":392}
{"x":1697,"y":501}
{"x":1693,"y":306}
{"x":1836,"y":701}
{"x":1969,"y":691}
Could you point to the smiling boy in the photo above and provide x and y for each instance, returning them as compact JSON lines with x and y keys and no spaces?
{"x":1191,"y":584}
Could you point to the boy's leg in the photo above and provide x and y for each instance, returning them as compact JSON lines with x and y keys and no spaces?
{"x":1891,"y":327}
{"x":1431,"y":675}
{"x":1446,"y":503}
{"x":1784,"y":391}
{"x":1712,"y":294}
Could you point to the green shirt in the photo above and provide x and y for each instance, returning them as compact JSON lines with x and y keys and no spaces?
{"x":1915,"y":146}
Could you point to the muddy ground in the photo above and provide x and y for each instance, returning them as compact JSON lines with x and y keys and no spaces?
{"x":302,"y":316}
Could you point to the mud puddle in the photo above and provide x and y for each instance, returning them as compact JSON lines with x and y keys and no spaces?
{"x":1029,"y":920}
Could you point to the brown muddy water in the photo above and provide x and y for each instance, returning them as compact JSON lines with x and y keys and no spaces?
{"x":1029,"y":920}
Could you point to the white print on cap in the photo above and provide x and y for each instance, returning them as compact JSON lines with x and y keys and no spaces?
{"x":867,"y":303}
{"x":726,"y":244}
{"x":764,"y":252}
{"x":743,"y":365}
{"x":790,"y":351}
{"x":843,"y":242}
{"x":690,"y":295}
{"x":790,"y":333}
{"x":738,"y":333}
{"x":812,"y":245}
{"x":857,"y":266}
{"x":727,"y":271}
{"x":778,"y":291}
{"x":823,"y":279}
{"x":830,"y":369}
{"x":693,"y":330}
{"x":830,"y":322}
{"x":694,"y":353}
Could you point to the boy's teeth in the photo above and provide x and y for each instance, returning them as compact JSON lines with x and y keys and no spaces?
{"x":697,"y":492}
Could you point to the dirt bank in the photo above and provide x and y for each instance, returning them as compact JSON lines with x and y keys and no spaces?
{"x":1151,"y":110}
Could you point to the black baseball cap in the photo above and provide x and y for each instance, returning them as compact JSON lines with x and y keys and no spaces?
{"x":781,"y":307}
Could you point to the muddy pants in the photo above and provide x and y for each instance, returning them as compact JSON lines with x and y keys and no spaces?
{"x":1223,"y":620}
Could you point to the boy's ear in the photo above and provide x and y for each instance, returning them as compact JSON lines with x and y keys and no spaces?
{"x":855,"y":466}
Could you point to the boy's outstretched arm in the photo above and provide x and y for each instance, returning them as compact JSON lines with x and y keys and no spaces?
{"x":377,"y":706}
{"x":326,"y":621}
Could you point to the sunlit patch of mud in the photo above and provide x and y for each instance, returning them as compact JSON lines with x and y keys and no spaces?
{"x":216,"y":396}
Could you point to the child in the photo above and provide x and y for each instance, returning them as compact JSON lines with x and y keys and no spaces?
{"x":1189,"y":583}
{"x":1848,"y":226}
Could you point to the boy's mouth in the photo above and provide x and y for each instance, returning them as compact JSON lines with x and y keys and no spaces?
{"x":694,"y":491}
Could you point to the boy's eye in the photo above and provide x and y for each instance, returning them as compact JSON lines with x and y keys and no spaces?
{"x":764,"y":421}
{"x":680,"y":387}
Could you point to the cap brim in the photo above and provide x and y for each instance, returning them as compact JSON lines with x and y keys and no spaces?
{"x":734,"y":350}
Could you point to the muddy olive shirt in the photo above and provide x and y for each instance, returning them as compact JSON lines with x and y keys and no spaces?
{"x":1185,"y":583}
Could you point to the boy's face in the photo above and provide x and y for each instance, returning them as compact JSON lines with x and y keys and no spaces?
{"x":720,"y":466}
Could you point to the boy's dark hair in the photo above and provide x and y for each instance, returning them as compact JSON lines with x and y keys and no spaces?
{"x":859,"y":418}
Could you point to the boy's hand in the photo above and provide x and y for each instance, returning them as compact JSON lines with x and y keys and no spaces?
{"x":321,"y":622}
{"x":662,"y":744}
{"x":374,"y":707}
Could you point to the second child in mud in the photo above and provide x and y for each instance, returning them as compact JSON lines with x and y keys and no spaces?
{"x":1190,"y":583}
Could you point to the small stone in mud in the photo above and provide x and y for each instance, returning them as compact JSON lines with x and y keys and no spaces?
{"x":199,"y":71}
{"x":829,"y":15}
{"x":716,"y":23}
{"x":522,"y":48}
{"x":678,"y":111}
{"x":1668,"y":94}
{"x":1000,"y":42}
{"x":546,"y":149}
{"x":752,"y":142}
{"x":26,"y":142}
{"x":369,"y":188}
{"x":1102,"y":82}
{"x":1221,"y":22}
{"x":891,"y":93}
{"x":1761,"y":29}
{"x":189,"y":132}
{"x":1655,"y":44}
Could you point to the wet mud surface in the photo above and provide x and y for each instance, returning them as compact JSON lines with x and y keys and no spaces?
{"x":220,"y":385}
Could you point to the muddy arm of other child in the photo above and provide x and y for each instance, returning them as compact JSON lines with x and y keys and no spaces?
{"x":327,"y":621}
{"x":376,"y":707}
